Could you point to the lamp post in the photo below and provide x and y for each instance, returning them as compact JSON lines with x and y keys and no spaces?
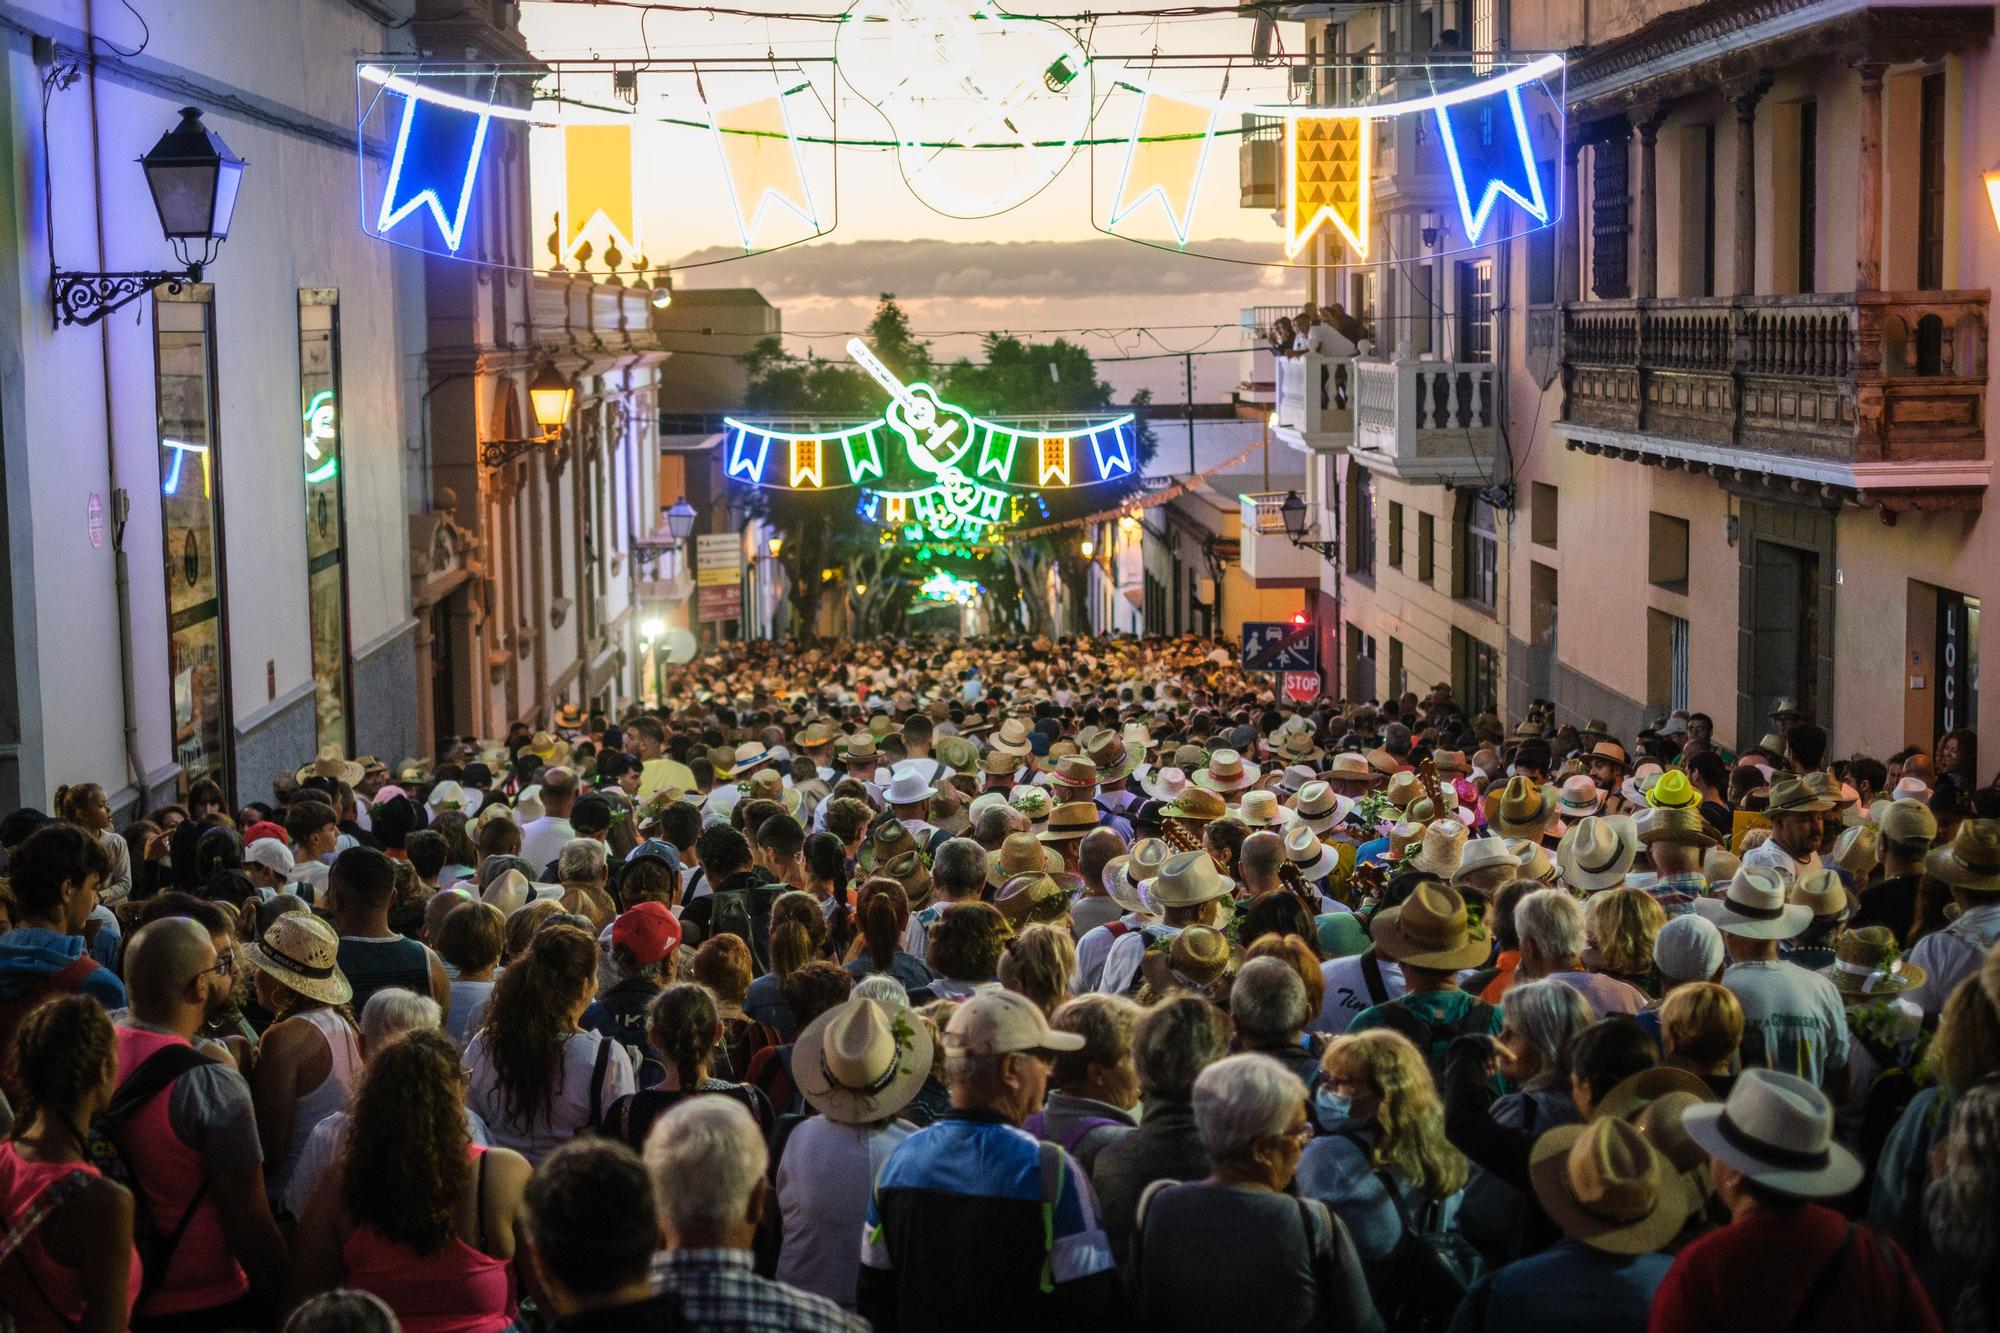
{"x":550,"y":394}
{"x":1293,"y":511}
{"x":194,"y":180}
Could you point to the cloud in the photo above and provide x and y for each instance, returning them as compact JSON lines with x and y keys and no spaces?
{"x":1017,"y":270}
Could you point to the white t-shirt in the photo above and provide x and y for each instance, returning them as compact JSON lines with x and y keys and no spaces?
{"x":1797,"y":1014}
{"x":1347,"y":991}
{"x":1128,"y":951}
{"x":824,"y":1180}
{"x":1095,"y":947}
{"x":1769,"y":855}
{"x":569,"y":1110}
{"x":542,"y":840}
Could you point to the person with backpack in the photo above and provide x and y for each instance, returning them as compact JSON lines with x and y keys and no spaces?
{"x":1385,"y":1167}
{"x":684,"y":1024}
{"x":1263,"y":1249}
{"x":180,"y":1132}
{"x":66,"y":1257}
{"x":55,"y":874}
{"x":1432,"y":939}
{"x":739,"y":902}
{"x":643,"y":940}
{"x":1093,"y":1089}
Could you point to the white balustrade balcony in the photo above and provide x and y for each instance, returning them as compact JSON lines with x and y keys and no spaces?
{"x":1427,"y":421}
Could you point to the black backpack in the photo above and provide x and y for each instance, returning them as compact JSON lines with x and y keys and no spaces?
{"x":104,"y":1148}
{"x":746,"y":914}
{"x":1434,"y":1042}
{"x":1418,"y":1288}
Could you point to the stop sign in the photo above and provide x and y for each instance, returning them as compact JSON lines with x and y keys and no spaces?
{"x":1302,"y":686}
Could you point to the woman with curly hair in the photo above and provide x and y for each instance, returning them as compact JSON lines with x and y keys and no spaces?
{"x":1621,"y":926}
{"x":964,"y":950}
{"x":1040,"y":963}
{"x":76,"y":1268}
{"x":1962,"y":1204}
{"x":416,"y":1213}
{"x":538,"y":1076}
{"x":684,"y":1023}
{"x":1387,"y":1160}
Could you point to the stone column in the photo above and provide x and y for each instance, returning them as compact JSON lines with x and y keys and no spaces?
{"x":1868,"y":206}
{"x":1649,"y":195}
{"x":1746,"y":93}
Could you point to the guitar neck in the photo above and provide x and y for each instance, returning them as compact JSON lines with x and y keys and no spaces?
{"x":878,"y":372}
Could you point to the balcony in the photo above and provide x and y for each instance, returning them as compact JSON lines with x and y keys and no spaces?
{"x":1427,"y":421}
{"x":1876,"y":397}
{"x":1268,"y":557}
{"x":1315,"y":402}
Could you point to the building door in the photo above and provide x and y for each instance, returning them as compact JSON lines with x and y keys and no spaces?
{"x":1542,"y":631}
{"x":1784,"y":631}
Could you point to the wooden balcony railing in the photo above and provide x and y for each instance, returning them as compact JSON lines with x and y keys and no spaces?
{"x":1853,"y":378}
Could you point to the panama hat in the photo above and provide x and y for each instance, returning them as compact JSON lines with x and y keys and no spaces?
{"x":1636,"y":787}
{"x":1295,"y":747}
{"x":1165,"y":784}
{"x":1754,"y":907}
{"x":814,"y":735}
{"x":860,"y":1062}
{"x":1787,"y":708}
{"x":1822,"y":891}
{"x":1613,"y":751}
{"x":1858,"y":850}
{"x":1442,"y":850}
{"x":1430,"y":930}
{"x":1668,"y":823}
{"x":1314,"y":859}
{"x":1188,"y":880}
{"x":1532,"y":858}
{"x":1972,"y":861}
{"x":1293,"y":780}
{"x":1579,"y":796}
{"x":1020,"y":854}
{"x":1777,"y":1129}
{"x":861,"y":750}
{"x":1012,"y":738}
{"x":1791,"y":796}
{"x":1350,"y":767}
{"x":1076,"y":772}
{"x":907,"y":787}
{"x":1484,"y":854}
{"x":332,"y":763}
{"x":1608,"y":1188}
{"x":1227,"y":771}
{"x":1262,"y":810}
{"x":1597,"y":852}
{"x":1032,"y":801}
{"x":1072,"y":819}
{"x":1523,"y":808}
{"x":1319,"y":807}
{"x":1634,"y":1094}
{"x":1125,"y":877}
{"x":1196,"y":804}
{"x":303,"y":952}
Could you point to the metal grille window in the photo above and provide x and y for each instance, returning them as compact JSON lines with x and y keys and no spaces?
{"x":1479,"y":553}
{"x":1677,"y":658}
{"x":1395,"y":535}
{"x":1475,"y":310}
{"x":1360,"y":520}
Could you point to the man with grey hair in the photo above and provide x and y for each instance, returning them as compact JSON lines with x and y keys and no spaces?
{"x":583,"y":868}
{"x":970,"y":1209}
{"x":993,"y":826}
{"x":1269,"y":1005}
{"x":958,"y":875}
{"x":1550,"y":925}
{"x":707,"y":1160}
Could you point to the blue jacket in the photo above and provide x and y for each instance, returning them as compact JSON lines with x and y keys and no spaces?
{"x":1570,"y":1287}
{"x":30,"y":955}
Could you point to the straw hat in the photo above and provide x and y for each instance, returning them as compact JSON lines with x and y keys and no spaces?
{"x":1294,"y":779}
{"x":861,"y":750}
{"x":748,"y":756}
{"x":1778,"y":1130}
{"x":1196,"y":804}
{"x":1113,"y":759}
{"x":1227,"y":771}
{"x":1020,"y":854}
{"x":1608,"y":1188}
{"x":331,"y":762}
{"x":1523,"y":808}
{"x":1484,"y":854}
{"x":1822,"y":891}
{"x":1261,"y":809}
{"x":1636,"y":788}
{"x":910,"y":871}
{"x":1188,"y":880}
{"x":303,"y":952}
{"x":1403,"y":788}
{"x":1972,"y":861}
{"x":1613,"y":751}
{"x":1072,"y":819}
{"x":887,"y":839}
{"x":1532,"y":858}
{"x":1295,"y":747}
{"x":1579,"y":797}
{"x":1791,"y":796}
{"x":1858,"y":851}
{"x":1075,"y":771}
{"x":1037,"y":896}
{"x":1350,"y":767}
{"x":860,"y":1062}
{"x":1165,"y":784}
{"x":1597,"y":852}
{"x":958,"y":754}
{"x":1315,"y":860}
{"x":814,"y":735}
{"x":1402,"y":837}
{"x":1198,"y":956}
{"x":1451,"y":763}
{"x":1319,"y":807}
{"x":1633,"y":1095}
{"x":1754,"y":907}
{"x":1012,"y":738}
{"x":1443,"y":848}
{"x":1673,"y":791}
{"x":1868,"y":964}
{"x":548,"y":748}
{"x":1125,"y":877}
{"x":1430,"y":930}
{"x":1000,"y":764}
{"x":1671,"y":824}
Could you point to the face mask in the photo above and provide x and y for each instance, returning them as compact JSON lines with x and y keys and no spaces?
{"x":1330,"y":1107}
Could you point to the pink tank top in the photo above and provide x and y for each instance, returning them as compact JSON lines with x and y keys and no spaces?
{"x":455,"y":1289}
{"x":53,"y":1300}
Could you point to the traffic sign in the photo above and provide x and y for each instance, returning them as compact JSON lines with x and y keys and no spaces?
{"x":1279,"y":645}
{"x":1302,"y":686}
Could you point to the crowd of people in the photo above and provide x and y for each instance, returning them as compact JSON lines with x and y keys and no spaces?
{"x":1000,"y":985}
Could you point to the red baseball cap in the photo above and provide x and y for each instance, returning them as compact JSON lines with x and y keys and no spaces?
{"x":264,"y":828}
{"x":647,"y":931}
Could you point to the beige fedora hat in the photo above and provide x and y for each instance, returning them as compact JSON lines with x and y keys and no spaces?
{"x":860,"y":1062}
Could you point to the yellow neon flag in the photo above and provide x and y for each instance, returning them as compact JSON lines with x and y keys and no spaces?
{"x":760,"y":155}
{"x":1168,"y":149}
{"x":597,"y":184}
{"x":1327,"y":179}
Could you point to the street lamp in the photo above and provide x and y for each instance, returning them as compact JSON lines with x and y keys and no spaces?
{"x":194,"y":180}
{"x":1086,"y":548}
{"x":653,"y":629}
{"x":1293,"y":511}
{"x":774,"y":546}
{"x":680,"y":519}
{"x":550,"y":394}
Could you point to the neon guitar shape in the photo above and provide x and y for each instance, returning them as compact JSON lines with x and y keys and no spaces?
{"x":986,"y":108}
{"x":935,"y":432}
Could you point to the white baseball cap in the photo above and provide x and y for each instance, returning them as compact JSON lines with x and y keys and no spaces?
{"x":271,"y":854}
{"x":996,"y":1022}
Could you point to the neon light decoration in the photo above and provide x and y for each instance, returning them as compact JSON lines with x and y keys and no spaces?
{"x":597,"y":187}
{"x":759,"y":170}
{"x":1474,"y":148}
{"x":955,"y":75}
{"x":1165,"y":156}
{"x":1327,"y":175}
{"x":320,"y":432}
{"x":944,"y":586}
{"x":171,"y":484}
{"x":436,"y":159}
